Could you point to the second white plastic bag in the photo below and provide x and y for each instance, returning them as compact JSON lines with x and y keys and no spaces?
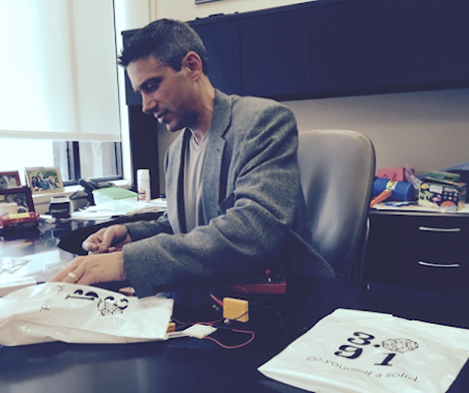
{"x":353,"y":351}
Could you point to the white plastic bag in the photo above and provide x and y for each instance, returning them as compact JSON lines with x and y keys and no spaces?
{"x":365,"y":352}
{"x":80,"y":314}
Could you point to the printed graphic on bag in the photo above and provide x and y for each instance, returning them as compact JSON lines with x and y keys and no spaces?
{"x":359,"y":351}
{"x":109,"y":305}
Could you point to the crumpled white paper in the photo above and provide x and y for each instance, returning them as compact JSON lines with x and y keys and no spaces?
{"x":80,"y":314}
{"x":353,"y":351}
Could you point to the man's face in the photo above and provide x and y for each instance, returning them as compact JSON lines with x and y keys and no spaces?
{"x":167,"y":94}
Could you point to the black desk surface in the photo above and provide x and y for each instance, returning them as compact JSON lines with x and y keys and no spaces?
{"x":192,"y":365}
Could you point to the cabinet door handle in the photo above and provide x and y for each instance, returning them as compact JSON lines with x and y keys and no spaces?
{"x":429,"y":229}
{"x":453,"y":265}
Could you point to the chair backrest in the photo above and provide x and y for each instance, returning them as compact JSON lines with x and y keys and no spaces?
{"x":337,"y":170}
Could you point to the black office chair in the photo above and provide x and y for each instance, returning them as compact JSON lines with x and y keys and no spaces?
{"x":337,"y":172}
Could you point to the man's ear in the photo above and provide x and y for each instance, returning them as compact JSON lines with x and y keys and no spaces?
{"x":194,"y":63}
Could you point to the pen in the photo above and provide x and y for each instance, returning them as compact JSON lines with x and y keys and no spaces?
{"x":399,"y":204}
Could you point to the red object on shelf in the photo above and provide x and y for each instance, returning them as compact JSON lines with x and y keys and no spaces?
{"x":395,"y":174}
{"x":19,"y":221}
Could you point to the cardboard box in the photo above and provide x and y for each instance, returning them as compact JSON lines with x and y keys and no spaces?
{"x":396,"y":174}
{"x":442,"y":194}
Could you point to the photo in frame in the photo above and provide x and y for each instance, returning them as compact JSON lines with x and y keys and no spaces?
{"x":21,"y":196}
{"x":44,"y":180}
{"x":9,"y":179}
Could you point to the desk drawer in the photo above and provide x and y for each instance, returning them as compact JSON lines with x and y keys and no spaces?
{"x":423,"y":252}
{"x":444,"y":278}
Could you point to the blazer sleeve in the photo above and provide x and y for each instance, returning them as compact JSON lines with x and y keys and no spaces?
{"x":142,"y":229}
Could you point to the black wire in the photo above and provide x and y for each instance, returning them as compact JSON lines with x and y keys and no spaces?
{"x":281,"y":320}
{"x":258,"y":308}
{"x":275,"y":311}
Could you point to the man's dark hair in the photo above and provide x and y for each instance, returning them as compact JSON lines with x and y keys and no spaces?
{"x":166,"y":39}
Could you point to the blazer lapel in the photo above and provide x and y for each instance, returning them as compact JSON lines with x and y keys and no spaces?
{"x":212,"y":175}
{"x":174,"y":184}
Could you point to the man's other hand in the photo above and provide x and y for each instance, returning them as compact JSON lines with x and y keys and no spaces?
{"x":108,"y":239}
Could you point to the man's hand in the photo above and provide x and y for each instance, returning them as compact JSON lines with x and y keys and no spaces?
{"x":108,"y":239}
{"x":92,"y":269}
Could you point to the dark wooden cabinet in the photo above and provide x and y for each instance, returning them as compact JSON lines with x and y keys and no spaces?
{"x":351,"y":46}
{"x":426,"y":251}
{"x":143,"y":134}
{"x":131,"y":98}
{"x":222,"y":43}
{"x":336,"y":47}
{"x":275,"y":55}
{"x":431,"y":41}
{"x":144,"y":147}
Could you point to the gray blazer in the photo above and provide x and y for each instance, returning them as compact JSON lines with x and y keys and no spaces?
{"x":252,"y":202}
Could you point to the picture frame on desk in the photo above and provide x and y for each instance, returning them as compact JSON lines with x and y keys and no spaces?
{"x":21,"y":196}
{"x":44,"y":180}
{"x":9,"y":179}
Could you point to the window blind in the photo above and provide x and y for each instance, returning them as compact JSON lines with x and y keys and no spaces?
{"x":58,"y":72}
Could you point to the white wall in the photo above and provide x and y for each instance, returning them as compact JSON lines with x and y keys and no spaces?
{"x":426,"y":130}
{"x":187,"y":9}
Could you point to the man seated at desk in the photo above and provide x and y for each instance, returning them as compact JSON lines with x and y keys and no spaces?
{"x":234,"y":200}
